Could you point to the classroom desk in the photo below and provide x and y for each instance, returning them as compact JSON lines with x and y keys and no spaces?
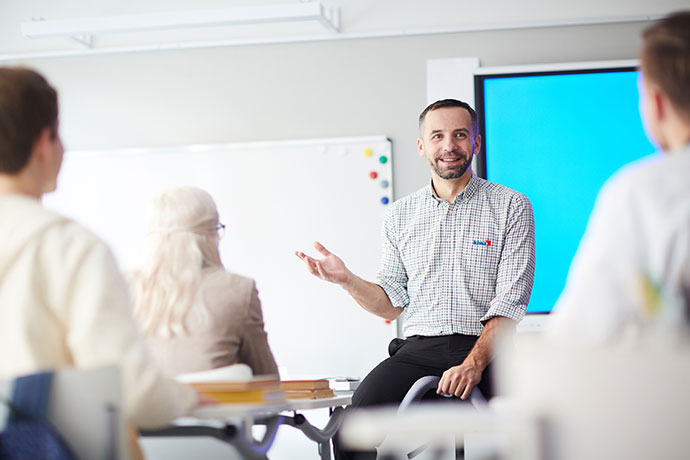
{"x":232,"y":423}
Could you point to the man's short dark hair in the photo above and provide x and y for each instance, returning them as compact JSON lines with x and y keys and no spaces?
{"x":665,"y":58}
{"x":27,"y":105}
{"x":443,"y":103}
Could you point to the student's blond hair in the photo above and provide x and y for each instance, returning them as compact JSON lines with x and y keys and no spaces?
{"x":182,"y":241}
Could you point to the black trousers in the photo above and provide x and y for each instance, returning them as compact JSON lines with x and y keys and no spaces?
{"x":410,"y":359}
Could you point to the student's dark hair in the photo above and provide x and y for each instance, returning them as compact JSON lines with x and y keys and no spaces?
{"x":27,"y":105}
{"x":665,"y":58}
{"x":443,"y":103}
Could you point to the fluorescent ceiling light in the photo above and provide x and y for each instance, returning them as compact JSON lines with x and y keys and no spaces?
{"x":86,"y":27}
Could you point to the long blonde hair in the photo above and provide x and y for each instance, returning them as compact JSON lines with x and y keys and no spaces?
{"x":182,"y":240}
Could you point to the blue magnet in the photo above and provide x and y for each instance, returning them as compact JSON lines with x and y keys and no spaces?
{"x":384,"y":200}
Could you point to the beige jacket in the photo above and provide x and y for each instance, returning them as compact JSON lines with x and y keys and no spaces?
{"x":64,"y":304}
{"x":225,"y":326}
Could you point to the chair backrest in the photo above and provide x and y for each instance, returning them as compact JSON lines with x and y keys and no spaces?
{"x":85,"y":407}
{"x":598,"y":404}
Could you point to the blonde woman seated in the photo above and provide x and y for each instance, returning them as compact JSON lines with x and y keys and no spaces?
{"x":196,"y":315}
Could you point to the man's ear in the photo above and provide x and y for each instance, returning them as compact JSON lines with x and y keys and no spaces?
{"x":420,"y":147}
{"x":43,"y":144}
{"x":477,"y":144}
{"x":656,"y":102}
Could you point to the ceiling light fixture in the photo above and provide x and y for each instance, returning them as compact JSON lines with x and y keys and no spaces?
{"x":83,"y":29}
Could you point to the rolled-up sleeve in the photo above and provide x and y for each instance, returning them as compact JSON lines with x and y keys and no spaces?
{"x":392,"y":276}
{"x":516,"y":267}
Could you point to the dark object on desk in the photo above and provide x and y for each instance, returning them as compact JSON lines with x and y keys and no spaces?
{"x":28,"y":434}
{"x":344,"y":383}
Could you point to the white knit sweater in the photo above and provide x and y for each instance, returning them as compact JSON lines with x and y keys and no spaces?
{"x":64,"y":304}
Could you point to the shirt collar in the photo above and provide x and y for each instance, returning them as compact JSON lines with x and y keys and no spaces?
{"x":471,"y":187}
{"x":465,"y":195}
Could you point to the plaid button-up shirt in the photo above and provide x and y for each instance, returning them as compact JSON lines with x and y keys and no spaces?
{"x":453,"y":266}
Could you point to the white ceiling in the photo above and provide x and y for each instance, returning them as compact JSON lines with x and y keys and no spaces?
{"x":359,"y":18}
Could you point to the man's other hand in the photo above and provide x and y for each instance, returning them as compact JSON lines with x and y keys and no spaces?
{"x":459,"y":380}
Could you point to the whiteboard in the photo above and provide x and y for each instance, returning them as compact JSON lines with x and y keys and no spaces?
{"x":274,"y":198}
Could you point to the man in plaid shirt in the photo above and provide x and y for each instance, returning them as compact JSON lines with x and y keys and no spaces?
{"x":457,"y":267}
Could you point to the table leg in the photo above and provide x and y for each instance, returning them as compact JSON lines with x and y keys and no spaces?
{"x":321,"y":436}
{"x":235,"y":435}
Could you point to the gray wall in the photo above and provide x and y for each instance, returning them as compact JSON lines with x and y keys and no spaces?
{"x":373,"y":86}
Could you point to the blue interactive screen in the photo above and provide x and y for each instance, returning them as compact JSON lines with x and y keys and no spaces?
{"x":556,"y":137}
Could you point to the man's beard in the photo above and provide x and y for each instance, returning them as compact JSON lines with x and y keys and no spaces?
{"x":454,"y":172}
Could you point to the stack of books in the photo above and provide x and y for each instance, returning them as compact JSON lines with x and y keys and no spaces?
{"x":256,"y":390}
{"x":306,"y":389}
{"x":235,"y":384}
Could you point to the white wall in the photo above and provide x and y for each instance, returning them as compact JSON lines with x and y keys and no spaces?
{"x":321,"y":88}
{"x":290,"y":91}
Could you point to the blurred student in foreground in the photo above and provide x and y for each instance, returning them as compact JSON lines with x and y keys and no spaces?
{"x":63,"y":302}
{"x":196,"y":315}
{"x":632,"y":269}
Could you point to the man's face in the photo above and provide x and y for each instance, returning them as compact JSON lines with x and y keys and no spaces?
{"x":448,"y":142}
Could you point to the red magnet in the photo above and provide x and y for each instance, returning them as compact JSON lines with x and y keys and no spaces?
{"x":373,"y":174}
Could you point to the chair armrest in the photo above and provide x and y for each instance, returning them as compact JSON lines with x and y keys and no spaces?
{"x":418,"y":390}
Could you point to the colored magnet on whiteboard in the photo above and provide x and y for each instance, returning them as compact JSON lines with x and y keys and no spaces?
{"x":383,"y":159}
{"x":373,"y":174}
{"x":384,"y":200}
{"x":384,"y":184}
{"x":368,"y":152}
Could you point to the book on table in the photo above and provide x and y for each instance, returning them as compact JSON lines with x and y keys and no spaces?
{"x":307,"y":389}
{"x":235,"y":384}
{"x":265,"y":383}
{"x":317,"y":384}
{"x":247,"y":396}
{"x":309,"y":394}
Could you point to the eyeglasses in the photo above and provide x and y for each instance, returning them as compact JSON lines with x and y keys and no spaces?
{"x":220,"y":228}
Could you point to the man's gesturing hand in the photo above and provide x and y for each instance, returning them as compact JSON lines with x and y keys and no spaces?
{"x":330,"y":268}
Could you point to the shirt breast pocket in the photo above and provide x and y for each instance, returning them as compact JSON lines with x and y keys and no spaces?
{"x":483,"y":254}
